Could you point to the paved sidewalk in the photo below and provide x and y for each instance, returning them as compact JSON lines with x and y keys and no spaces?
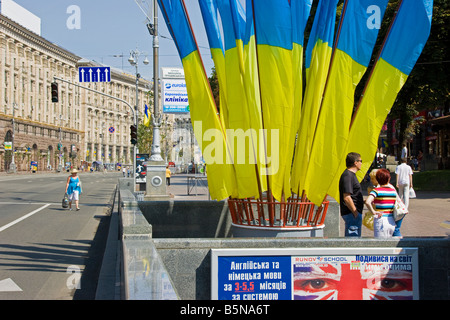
{"x":197,"y":189}
{"x":429,"y":212}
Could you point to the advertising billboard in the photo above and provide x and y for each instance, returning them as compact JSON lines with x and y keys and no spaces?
{"x":315,"y":274}
{"x":174,"y":96}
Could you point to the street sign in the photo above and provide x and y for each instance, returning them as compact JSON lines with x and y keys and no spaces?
{"x":94,"y":74}
{"x":111,"y":129}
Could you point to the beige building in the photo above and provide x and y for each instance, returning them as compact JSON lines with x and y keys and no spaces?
{"x":80,"y":121}
{"x":106,"y":121}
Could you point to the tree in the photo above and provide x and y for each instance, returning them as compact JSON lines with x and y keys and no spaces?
{"x":145,"y":134}
{"x":214,"y":83}
{"x":427,"y":87}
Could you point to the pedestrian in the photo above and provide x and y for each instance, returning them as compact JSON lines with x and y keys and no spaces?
{"x":373,"y":180}
{"x":383,"y":199}
{"x":124,"y":171}
{"x":73,"y":189}
{"x":350,"y":196}
{"x":404,"y":151}
{"x":168,"y":174}
{"x":404,"y":181}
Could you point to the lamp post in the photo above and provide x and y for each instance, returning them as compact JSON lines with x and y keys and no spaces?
{"x":12,"y":166}
{"x":60,"y":146}
{"x":156,"y":169}
{"x":156,"y":121}
{"x":134,"y":61}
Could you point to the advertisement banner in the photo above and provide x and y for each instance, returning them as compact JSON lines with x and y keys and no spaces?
{"x":315,"y":274}
{"x":33,"y":166}
{"x":141,"y":167}
{"x":174,"y":96}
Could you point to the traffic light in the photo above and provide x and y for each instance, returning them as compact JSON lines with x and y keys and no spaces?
{"x":133,"y":134}
{"x":54,"y":92}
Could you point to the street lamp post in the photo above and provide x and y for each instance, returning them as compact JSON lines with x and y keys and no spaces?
{"x":156,"y":169}
{"x":134,"y":61}
{"x":12,"y":166}
{"x":60,"y":146}
{"x":156,"y":143}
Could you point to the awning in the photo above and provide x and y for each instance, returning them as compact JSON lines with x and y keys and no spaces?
{"x":440,"y":120}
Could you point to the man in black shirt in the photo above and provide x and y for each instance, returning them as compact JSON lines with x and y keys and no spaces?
{"x":351,"y":199}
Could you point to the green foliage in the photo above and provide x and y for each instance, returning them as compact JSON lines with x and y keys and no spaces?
{"x":437,"y":180}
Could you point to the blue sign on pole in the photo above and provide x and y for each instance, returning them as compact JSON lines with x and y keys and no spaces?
{"x":94,"y":74}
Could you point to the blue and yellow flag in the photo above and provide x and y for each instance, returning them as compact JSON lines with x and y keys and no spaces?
{"x":318,"y":56}
{"x":355,"y":40}
{"x":241,"y":139}
{"x":273,"y":30}
{"x":208,"y":130}
{"x":300,"y":10}
{"x":404,"y":44}
{"x":146,"y":117}
{"x":209,"y":9}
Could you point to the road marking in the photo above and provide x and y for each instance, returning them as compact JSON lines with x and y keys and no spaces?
{"x":23,"y":203}
{"x":23,"y":218}
{"x":8,"y":285}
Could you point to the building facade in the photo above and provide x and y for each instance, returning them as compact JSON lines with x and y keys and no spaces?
{"x":107,"y":121}
{"x":81,"y":128}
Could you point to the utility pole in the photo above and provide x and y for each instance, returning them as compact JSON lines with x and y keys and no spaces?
{"x":12,"y":166}
{"x":156,"y":169}
{"x":134,"y":61}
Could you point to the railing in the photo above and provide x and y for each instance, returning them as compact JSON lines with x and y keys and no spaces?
{"x":293,"y":213}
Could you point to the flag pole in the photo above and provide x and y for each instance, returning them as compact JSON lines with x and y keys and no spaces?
{"x":269,"y":191}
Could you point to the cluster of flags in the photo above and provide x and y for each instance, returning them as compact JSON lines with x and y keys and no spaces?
{"x":295,"y":131}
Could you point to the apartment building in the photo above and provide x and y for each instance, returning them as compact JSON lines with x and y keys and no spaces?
{"x":81,"y":128}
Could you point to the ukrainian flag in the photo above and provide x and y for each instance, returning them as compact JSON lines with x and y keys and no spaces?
{"x":403,"y":46}
{"x":210,"y":19}
{"x":354,"y":43}
{"x":273,"y":33}
{"x":252,"y":89}
{"x":300,"y":10}
{"x":241,"y":139}
{"x":318,"y":56}
{"x":146,"y":117}
{"x":207,"y":126}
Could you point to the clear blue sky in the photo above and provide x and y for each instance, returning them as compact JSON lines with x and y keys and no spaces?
{"x":113,"y":27}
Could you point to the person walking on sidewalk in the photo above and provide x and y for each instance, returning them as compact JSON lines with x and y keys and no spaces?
{"x":168,"y":174}
{"x":351,"y":198}
{"x":73,"y":189}
{"x":404,"y":181}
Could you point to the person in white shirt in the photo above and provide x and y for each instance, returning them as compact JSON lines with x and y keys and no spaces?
{"x":404,"y":181}
{"x":404,"y":152}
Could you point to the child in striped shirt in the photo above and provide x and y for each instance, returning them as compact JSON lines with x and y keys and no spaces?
{"x":380,"y":202}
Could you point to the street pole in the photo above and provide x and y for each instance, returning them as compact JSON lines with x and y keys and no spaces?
{"x":134,"y":60}
{"x":60,"y":146}
{"x":156,"y":169}
{"x":156,"y":121}
{"x":12,"y":166}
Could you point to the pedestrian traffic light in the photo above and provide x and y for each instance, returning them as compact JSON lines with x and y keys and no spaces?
{"x":54,"y":86}
{"x":133,"y":134}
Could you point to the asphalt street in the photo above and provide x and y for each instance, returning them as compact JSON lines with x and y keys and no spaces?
{"x":47,"y":252}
